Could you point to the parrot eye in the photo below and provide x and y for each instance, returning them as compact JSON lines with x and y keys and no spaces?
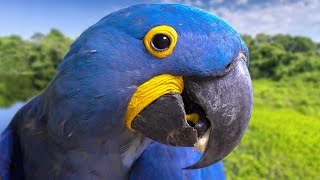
{"x":160,"y":41}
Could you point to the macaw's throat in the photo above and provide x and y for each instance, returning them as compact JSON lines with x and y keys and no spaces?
{"x":196,"y":116}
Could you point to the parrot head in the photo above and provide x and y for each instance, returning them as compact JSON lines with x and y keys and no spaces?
{"x":173,"y":73}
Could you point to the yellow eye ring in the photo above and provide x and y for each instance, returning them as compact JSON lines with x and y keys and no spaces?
{"x":160,"y":41}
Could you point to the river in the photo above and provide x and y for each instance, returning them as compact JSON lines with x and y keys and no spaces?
{"x":6,"y":114}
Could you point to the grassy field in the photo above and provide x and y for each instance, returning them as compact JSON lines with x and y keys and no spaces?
{"x":282,"y":141}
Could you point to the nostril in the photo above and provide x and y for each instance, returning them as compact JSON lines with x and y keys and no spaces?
{"x":227,"y":69}
{"x":228,"y":65}
{"x":243,"y":57}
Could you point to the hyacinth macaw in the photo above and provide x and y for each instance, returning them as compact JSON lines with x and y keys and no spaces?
{"x":149,"y":73}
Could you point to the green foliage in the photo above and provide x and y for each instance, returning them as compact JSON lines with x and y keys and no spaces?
{"x":26,"y":66}
{"x":13,"y":55}
{"x":38,"y":57}
{"x":48,"y":51}
{"x":16,"y":88}
{"x":280,"y":56}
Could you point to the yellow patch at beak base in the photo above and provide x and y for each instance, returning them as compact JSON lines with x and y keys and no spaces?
{"x":150,"y":91}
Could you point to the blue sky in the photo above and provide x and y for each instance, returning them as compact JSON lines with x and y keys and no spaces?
{"x":296,"y":17}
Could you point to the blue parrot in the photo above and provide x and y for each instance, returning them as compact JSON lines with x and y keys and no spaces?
{"x":142,"y":78}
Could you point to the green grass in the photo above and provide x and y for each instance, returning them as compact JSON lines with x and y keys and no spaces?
{"x":303,"y":97}
{"x":283,"y":138}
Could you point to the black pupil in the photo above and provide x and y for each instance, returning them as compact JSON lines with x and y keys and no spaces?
{"x":161,"y":41}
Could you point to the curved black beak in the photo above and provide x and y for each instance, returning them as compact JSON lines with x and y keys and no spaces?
{"x":227,"y":102}
{"x":224,"y":106}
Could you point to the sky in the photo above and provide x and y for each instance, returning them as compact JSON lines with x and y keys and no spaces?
{"x":72,"y":17}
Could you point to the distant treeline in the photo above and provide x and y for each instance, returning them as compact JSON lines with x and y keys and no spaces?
{"x":273,"y":57}
{"x":37,"y":57}
{"x":282,"y":56}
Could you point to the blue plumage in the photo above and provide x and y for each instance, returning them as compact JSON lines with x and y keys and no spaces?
{"x":6,"y":153}
{"x":11,"y":163}
{"x":159,"y":161}
{"x":75,"y":129}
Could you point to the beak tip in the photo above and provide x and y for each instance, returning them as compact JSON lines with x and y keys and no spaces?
{"x":202,"y":164}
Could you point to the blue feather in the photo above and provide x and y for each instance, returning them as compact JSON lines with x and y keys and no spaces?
{"x":11,"y":164}
{"x":160,"y":161}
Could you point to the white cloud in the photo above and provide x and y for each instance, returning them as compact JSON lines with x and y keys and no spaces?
{"x":300,"y":18}
{"x":217,"y":1}
{"x":198,"y":3}
{"x":241,"y":1}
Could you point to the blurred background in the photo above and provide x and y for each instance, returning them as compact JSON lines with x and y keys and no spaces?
{"x":283,"y":36}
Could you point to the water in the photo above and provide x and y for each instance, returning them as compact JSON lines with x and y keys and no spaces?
{"x":6,"y":114}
